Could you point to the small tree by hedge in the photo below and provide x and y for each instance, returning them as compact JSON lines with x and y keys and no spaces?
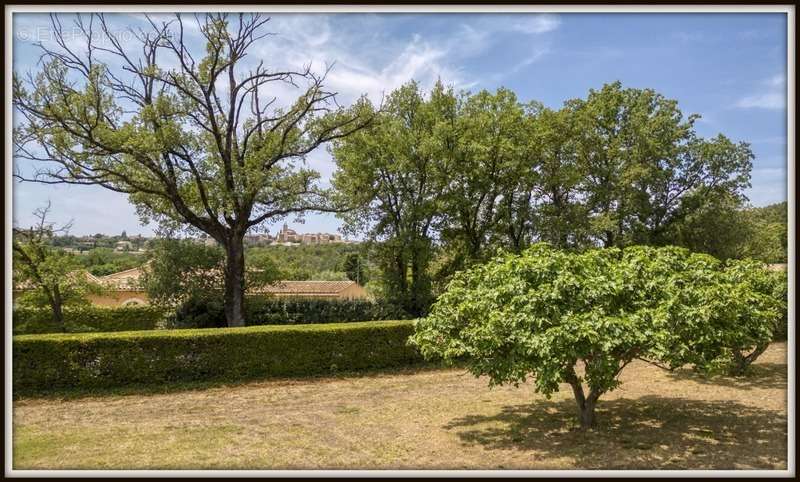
{"x":580,"y":318}
{"x":49,"y":276}
{"x":757,"y":305}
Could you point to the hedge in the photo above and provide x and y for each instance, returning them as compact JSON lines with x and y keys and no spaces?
{"x":111,"y":360}
{"x":209,"y":313}
{"x":87,"y":319}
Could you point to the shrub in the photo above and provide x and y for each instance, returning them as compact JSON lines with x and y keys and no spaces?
{"x":754,"y":307}
{"x":94,"y":360}
{"x":87,"y":318}
{"x":209,"y":313}
{"x":546,"y":312}
{"x":781,"y":293}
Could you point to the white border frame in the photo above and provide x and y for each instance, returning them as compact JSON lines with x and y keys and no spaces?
{"x":9,"y":10}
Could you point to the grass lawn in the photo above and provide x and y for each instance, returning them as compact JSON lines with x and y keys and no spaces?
{"x":426,"y":419}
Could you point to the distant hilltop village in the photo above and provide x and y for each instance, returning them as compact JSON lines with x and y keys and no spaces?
{"x":290,"y":237}
{"x":139,"y":244}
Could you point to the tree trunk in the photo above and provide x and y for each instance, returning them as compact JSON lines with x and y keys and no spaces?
{"x":56,"y":304}
{"x":586,"y":405}
{"x":234,"y":281}
{"x":741,"y":362}
{"x":587,"y":413}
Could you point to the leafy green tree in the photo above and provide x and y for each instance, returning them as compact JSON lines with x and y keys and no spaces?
{"x":47,"y":275}
{"x":183,"y":270}
{"x":390,"y":176}
{"x":354,"y":268}
{"x":646,"y":169}
{"x":483,"y":142}
{"x":559,"y":213}
{"x":305,"y":261}
{"x":104,"y":261}
{"x":768,"y":233}
{"x":178,"y":270}
{"x":727,"y":229}
{"x":717,"y":226}
{"x":755,"y":299}
{"x":188,"y":135}
{"x":581,"y":318}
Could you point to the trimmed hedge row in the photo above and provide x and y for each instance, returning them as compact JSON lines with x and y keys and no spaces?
{"x":107,"y":360}
{"x":88,"y":319}
{"x":259,"y":310}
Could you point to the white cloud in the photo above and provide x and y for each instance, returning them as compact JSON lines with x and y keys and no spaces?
{"x":536,"y":24}
{"x":772,"y":95}
{"x":368,"y":55}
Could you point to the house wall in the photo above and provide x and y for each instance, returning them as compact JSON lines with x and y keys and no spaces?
{"x":119,"y":298}
{"x":354,"y":292}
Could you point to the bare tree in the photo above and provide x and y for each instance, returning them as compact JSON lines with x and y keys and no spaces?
{"x":200,"y":143}
{"x":41,"y":269}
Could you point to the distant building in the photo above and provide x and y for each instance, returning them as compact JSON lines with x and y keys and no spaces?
{"x":123,"y":246}
{"x":287,"y":235}
{"x":332,"y":290}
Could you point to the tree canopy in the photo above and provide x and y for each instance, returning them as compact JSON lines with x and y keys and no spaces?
{"x":195,"y":138}
{"x":46,"y":275}
{"x":456,"y":175}
{"x":580,"y":318}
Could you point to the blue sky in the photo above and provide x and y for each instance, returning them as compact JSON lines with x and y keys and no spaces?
{"x":729,"y":68}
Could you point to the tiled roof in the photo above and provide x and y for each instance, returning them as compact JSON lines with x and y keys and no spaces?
{"x":307,"y":287}
{"x":27,"y":284}
{"x":127,"y":280}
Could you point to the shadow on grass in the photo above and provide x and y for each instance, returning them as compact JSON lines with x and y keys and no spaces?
{"x":760,"y":376}
{"x":187,"y":386}
{"x":647,"y":433}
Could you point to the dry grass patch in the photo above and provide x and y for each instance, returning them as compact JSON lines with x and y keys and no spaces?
{"x":426,"y":419}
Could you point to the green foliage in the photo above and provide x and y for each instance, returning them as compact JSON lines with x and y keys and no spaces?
{"x":305,"y":261}
{"x":355,"y":269}
{"x":88,"y":319}
{"x":391,"y":178}
{"x":47,"y":276}
{"x":104,"y":261}
{"x":180,"y":269}
{"x":757,"y":305}
{"x":439,"y":182}
{"x":644,"y":166}
{"x":540,"y":313}
{"x":47,"y":362}
{"x":723,"y":227}
{"x":155,"y":130}
{"x":768,"y":236}
{"x":781,"y":293}
{"x":208,"y":313}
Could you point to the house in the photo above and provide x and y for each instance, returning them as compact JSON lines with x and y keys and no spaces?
{"x":123,"y":246}
{"x":331,"y":290}
{"x":120,"y":289}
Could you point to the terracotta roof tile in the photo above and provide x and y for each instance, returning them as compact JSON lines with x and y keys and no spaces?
{"x":307,"y":287}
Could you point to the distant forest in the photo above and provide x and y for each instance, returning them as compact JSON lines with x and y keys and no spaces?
{"x":758,"y":232}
